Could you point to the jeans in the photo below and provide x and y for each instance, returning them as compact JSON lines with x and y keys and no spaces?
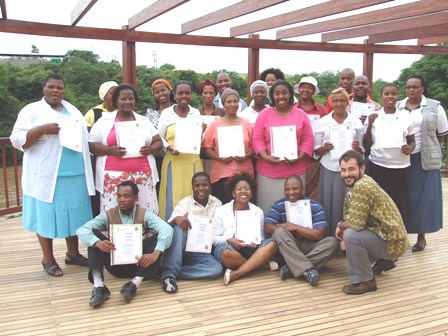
{"x":188,"y":265}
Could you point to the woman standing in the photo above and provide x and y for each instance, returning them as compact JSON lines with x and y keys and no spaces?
{"x":105,"y":93}
{"x":56,"y":181}
{"x":241,"y":258}
{"x":177,"y":168}
{"x":389,"y":167}
{"x":332,"y":189}
{"x":259,"y":92}
{"x":430,"y":128}
{"x":208,"y":90}
{"x":271,"y":170}
{"x":223,"y":168}
{"x":111,"y":167}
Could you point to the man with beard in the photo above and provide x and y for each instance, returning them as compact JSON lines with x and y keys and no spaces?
{"x":372,"y":228}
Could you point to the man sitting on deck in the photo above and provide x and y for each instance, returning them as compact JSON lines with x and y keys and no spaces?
{"x":157,"y":238}
{"x":372,"y":229}
{"x":305,"y":249}
{"x":190,"y":265}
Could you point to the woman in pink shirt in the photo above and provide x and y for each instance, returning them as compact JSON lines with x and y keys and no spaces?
{"x":272,"y":170}
{"x":224,"y":167}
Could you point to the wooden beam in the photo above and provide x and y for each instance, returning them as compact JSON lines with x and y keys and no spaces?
{"x":45,"y":29}
{"x":81,"y":9}
{"x":309,"y":13}
{"x":432,"y":40}
{"x":438,"y":30}
{"x":156,"y":9}
{"x":397,"y":25}
{"x":393,"y":13}
{"x":3,"y":7}
{"x":230,"y":12}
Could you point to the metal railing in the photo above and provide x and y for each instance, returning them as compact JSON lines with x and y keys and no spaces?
{"x":11,"y":199}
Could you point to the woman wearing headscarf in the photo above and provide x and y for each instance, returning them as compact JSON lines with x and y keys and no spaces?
{"x":105,"y":93}
{"x":208,"y":90}
{"x":425,"y":184}
{"x":259,"y":91}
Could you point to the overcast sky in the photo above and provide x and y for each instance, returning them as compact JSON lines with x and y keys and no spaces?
{"x":115,"y":14}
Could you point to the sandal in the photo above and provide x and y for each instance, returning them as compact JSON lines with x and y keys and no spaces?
{"x":52,"y":268}
{"x":78,"y":260}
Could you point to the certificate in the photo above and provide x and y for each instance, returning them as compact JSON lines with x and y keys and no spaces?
{"x":230,"y":141}
{"x":248,"y":226}
{"x":127,"y":239}
{"x":299,"y":213}
{"x":362,"y":109}
{"x":284,"y":142}
{"x":208,"y":119}
{"x":341,"y":137}
{"x":200,"y":236}
{"x":188,"y":135}
{"x":389,"y":133}
{"x":314,"y":118}
{"x":130,"y":136}
{"x":70,"y":133}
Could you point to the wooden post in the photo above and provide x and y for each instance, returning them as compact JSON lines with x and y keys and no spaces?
{"x":253,"y":66}
{"x":129,"y":62}
{"x":367,"y":67}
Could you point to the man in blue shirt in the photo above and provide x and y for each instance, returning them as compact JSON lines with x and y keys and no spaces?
{"x":157,"y":236}
{"x":305,"y":249}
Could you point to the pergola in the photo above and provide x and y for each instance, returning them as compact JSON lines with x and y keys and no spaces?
{"x":424,"y":20}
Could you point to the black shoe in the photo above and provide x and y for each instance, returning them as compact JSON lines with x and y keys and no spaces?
{"x":128,"y":291}
{"x":312,"y":276}
{"x":99,"y":295}
{"x":285,"y":272}
{"x":169,"y":284}
{"x":383,"y":265}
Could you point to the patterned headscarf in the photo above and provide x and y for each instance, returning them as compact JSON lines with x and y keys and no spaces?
{"x":206,"y":82}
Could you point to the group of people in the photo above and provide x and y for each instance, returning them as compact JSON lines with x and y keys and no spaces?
{"x":346,"y":204}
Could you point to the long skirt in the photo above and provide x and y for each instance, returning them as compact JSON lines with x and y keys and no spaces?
{"x":70,"y":209}
{"x":312,"y":180}
{"x":394,"y":181}
{"x":147,"y":195}
{"x":331,"y":195}
{"x":426,"y":198}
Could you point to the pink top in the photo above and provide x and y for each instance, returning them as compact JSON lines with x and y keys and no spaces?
{"x":138,"y":164}
{"x":219,"y":169}
{"x":261,"y":139}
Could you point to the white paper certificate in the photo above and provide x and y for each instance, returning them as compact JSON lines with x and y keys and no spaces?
{"x":314,"y":118}
{"x":230,"y":141}
{"x":389,"y":133}
{"x":208,"y":119}
{"x":362,"y":109}
{"x":299,"y":213}
{"x":341,"y":137}
{"x":127,"y":239}
{"x":188,"y":135}
{"x":70,"y":133}
{"x":284,"y":142}
{"x":200,"y":236}
{"x":130,"y":136}
{"x":248,"y":226}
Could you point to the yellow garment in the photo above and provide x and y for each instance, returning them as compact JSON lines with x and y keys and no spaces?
{"x":183,"y":167}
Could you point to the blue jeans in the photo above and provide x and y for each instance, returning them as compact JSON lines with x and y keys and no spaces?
{"x":188,"y":265}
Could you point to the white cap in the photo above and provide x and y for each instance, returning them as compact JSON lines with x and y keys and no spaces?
{"x":310,"y":80}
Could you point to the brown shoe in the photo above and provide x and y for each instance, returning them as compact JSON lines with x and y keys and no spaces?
{"x":360,"y":288}
{"x":383,"y":265}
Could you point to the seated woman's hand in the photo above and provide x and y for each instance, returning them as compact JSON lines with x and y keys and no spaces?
{"x":117,"y":151}
{"x":236,"y":243}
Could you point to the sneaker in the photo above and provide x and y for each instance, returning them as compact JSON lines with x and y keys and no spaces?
{"x":99,"y":295}
{"x":169,"y":284}
{"x":128,"y":291}
{"x":312,"y":276}
{"x":285,"y":272}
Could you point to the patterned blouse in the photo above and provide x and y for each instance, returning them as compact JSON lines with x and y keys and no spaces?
{"x":154,"y":117}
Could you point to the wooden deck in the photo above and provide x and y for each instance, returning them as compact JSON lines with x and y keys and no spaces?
{"x":411,"y":299}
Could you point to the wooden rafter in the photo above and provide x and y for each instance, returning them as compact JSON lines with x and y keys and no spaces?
{"x":397,"y":25}
{"x":432,"y":40}
{"x":81,"y":9}
{"x":156,"y":9}
{"x":3,"y":7}
{"x":45,"y":29}
{"x":408,"y":34}
{"x":301,"y":15}
{"x":383,"y":15}
{"x":233,"y":11}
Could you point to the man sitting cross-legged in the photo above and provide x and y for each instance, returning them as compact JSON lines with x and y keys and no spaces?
{"x":157,"y":236}
{"x":305,"y":249}
{"x":179,"y":264}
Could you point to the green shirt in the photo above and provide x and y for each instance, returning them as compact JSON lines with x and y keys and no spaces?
{"x":368,"y":207}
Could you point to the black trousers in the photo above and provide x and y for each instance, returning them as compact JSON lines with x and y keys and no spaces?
{"x":99,"y":259}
